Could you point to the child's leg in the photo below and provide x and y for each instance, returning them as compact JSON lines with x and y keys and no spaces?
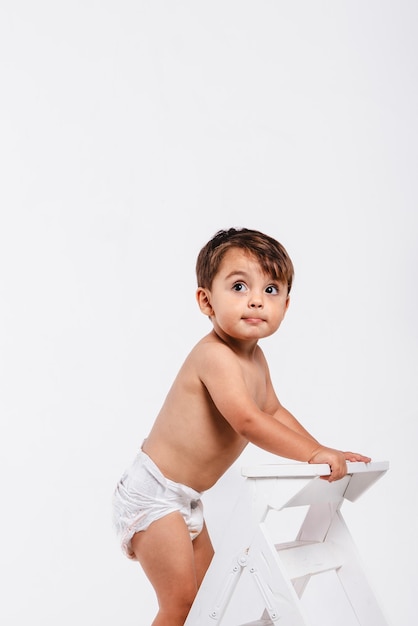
{"x":203,"y":554}
{"x":174,"y":565}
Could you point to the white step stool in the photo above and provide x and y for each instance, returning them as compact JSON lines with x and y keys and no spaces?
{"x":281,"y":571}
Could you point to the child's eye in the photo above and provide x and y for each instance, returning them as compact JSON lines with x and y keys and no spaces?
{"x":272,"y":289}
{"x":239,"y":287}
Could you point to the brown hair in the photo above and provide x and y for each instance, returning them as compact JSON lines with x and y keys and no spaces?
{"x":270,"y":253}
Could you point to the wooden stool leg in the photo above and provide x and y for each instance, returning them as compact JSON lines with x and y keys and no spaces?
{"x":353,"y":579}
{"x":271,"y":579}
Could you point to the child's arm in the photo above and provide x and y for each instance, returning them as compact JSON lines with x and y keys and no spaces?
{"x":280,"y":433}
{"x":285,"y":417}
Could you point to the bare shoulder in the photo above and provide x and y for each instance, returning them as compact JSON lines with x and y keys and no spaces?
{"x":211,"y":351}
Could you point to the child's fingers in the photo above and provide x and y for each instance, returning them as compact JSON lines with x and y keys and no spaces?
{"x":355,"y":456}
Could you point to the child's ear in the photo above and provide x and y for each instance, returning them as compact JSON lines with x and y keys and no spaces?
{"x":203,"y":300}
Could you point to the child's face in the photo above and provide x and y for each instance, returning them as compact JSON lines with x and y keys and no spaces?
{"x":244,"y":303}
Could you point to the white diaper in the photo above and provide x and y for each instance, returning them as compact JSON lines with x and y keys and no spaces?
{"x":144,"y":495}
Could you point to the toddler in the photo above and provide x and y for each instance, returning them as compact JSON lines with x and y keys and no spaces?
{"x":221,"y":399}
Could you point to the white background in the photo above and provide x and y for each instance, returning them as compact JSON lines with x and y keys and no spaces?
{"x":132,"y":131}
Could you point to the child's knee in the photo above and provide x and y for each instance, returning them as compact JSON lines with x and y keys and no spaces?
{"x":175,"y":614}
{"x":186,"y":600}
{"x":181,"y":603}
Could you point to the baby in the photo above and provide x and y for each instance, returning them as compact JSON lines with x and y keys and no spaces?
{"x":221,"y":399}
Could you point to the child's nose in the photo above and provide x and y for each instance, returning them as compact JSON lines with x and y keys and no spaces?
{"x":256,"y":302}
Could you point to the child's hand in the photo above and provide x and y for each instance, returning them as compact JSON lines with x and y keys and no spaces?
{"x":336,"y":460}
{"x":354,"y":456}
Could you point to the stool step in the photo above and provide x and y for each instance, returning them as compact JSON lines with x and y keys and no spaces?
{"x":303,"y":558}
